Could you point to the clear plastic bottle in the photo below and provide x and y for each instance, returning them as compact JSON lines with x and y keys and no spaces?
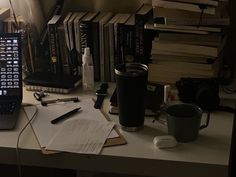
{"x":87,"y":70}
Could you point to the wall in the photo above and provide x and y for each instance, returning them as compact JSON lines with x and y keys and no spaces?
{"x":29,"y":9}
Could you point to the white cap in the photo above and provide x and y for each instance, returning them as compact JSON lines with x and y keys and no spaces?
{"x":87,"y":51}
{"x":87,"y":57}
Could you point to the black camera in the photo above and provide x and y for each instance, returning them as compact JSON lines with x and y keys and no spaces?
{"x":203,"y":92}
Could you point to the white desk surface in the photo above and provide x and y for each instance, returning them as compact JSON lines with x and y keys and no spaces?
{"x":206,"y":157}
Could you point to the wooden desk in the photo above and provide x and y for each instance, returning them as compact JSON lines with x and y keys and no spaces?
{"x":206,"y":157}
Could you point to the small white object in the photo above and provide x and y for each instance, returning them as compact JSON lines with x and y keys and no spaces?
{"x":164,"y":141}
{"x":166,"y":94}
{"x":87,"y":70}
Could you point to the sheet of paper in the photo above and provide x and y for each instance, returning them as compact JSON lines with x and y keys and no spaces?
{"x":43,"y":128}
{"x":81,"y":136}
{"x":41,"y":124}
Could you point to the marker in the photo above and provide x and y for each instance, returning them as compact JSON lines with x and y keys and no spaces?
{"x":64,"y":116}
{"x":46,"y":102}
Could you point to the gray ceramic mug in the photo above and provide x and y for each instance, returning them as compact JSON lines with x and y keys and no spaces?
{"x":184,"y":121}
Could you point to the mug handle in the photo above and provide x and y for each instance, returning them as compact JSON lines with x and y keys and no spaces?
{"x":207,"y":120}
{"x":158,"y":116}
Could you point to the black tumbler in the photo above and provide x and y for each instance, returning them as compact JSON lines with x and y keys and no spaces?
{"x":131,"y":84}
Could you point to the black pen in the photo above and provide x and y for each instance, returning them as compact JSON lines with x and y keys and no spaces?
{"x":66,"y":115}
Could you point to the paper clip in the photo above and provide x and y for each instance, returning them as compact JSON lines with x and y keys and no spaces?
{"x":46,"y":102}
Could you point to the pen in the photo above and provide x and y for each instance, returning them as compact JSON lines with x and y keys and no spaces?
{"x":66,"y":115}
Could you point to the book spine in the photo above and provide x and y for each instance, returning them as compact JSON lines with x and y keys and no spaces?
{"x":140,"y":40}
{"x":119,"y":50}
{"x":68,"y":66}
{"x":95,"y":50}
{"x":183,"y":6}
{"x":54,"y":49}
{"x":111,"y":51}
{"x":129,"y":36}
{"x":84,"y":32}
{"x":87,"y":40}
{"x":63,"y":51}
{"x":125,"y":44}
{"x":106,"y":54}
{"x":102,"y":52}
{"x":72,"y":53}
{"x":192,"y":21}
{"x":77,"y":41}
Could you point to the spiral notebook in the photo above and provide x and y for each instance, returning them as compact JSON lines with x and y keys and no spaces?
{"x":50,"y":82}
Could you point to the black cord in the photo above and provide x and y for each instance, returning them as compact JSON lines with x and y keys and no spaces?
{"x":202,"y":7}
{"x":14,"y":15}
{"x":18,"y":138}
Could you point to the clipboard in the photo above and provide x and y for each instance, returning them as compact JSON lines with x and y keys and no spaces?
{"x":119,"y":140}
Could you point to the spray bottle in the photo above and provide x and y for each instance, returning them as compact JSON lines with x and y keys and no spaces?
{"x":88,"y":70}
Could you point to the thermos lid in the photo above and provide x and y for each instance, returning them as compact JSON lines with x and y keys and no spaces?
{"x":131,"y":69}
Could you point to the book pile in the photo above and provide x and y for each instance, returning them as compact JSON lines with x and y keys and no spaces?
{"x":190,"y":40}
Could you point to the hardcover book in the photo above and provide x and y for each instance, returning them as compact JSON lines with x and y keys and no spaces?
{"x":54,"y":46}
{"x":87,"y":36}
{"x":121,"y":33}
{"x":103,"y":35}
{"x":69,"y":36}
{"x":77,"y":39}
{"x":111,"y":30}
{"x":183,"y":6}
{"x":142,"y":36}
{"x":205,"y":2}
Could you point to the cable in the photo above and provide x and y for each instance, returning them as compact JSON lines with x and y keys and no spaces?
{"x":202,"y":7}
{"x":14,"y":15}
{"x":22,"y":130}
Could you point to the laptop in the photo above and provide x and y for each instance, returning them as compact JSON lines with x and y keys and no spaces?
{"x":10,"y":79}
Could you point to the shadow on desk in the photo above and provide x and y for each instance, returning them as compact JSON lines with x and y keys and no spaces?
{"x":28,"y":171}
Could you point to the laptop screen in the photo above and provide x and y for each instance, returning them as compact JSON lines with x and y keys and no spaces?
{"x":10,"y":66}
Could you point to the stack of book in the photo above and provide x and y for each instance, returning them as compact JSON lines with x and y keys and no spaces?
{"x":190,"y":39}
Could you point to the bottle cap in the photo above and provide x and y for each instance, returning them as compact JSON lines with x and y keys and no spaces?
{"x":87,"y":51}
{"x":87,"y":57}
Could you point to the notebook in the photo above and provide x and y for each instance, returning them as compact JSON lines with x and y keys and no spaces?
{"x":10,"y":79}
{"x":51,"y":82}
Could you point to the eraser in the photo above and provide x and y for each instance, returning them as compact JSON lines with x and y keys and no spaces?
{"x":165,"y":141}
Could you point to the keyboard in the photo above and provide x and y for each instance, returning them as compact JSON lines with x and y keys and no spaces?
{"x":7,"y":107}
